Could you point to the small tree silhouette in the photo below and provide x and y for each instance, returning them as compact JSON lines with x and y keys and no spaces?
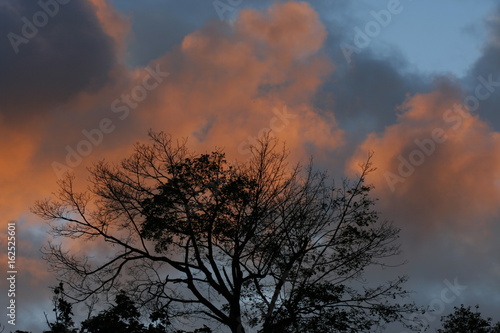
{"x":464,"y":320}
{"x":63,"y":312}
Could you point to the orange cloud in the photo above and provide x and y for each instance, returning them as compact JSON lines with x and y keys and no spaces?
{"x":29,"y":145}
{"x":18,"y":179}
{"x":439,"y":162}
{"x":115,"y":25}
{"x":230,"y":84}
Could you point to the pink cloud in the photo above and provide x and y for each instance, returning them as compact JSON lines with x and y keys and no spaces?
{"x":439,"y":163}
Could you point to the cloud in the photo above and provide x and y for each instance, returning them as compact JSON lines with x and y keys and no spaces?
{"x":488,"y":65}
{"x":231,"y":82}
{"x":438,"y":166}
{"x":51,"y":55}
{"x":67,"y":63}
{"x":114,"y":24}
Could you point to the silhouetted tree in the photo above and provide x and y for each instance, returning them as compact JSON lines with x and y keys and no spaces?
{"x":63,"y":313}
{"x":123,"y":317}
{"x":464,"y":320}
{"x":204,"y":329}
{"x":257,"y":244}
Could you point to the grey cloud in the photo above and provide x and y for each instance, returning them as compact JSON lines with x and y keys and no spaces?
{"x":69,"y":54}
{"x":159,"y":25}
{"x":488,"y":65}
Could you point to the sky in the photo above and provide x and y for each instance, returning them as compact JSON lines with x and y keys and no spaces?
{"x":415,"y":82}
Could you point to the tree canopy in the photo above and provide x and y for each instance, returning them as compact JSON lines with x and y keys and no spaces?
{"x":122,"y":316}
{"x":464,"y":320}
{"x":256,"y":246}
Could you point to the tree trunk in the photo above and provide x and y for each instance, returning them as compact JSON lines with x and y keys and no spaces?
{"x":236,"y":326}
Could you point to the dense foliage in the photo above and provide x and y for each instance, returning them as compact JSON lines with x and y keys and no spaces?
{"x":464,"y":320}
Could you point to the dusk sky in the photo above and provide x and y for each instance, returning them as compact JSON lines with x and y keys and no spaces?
{"x":416,"y":82}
